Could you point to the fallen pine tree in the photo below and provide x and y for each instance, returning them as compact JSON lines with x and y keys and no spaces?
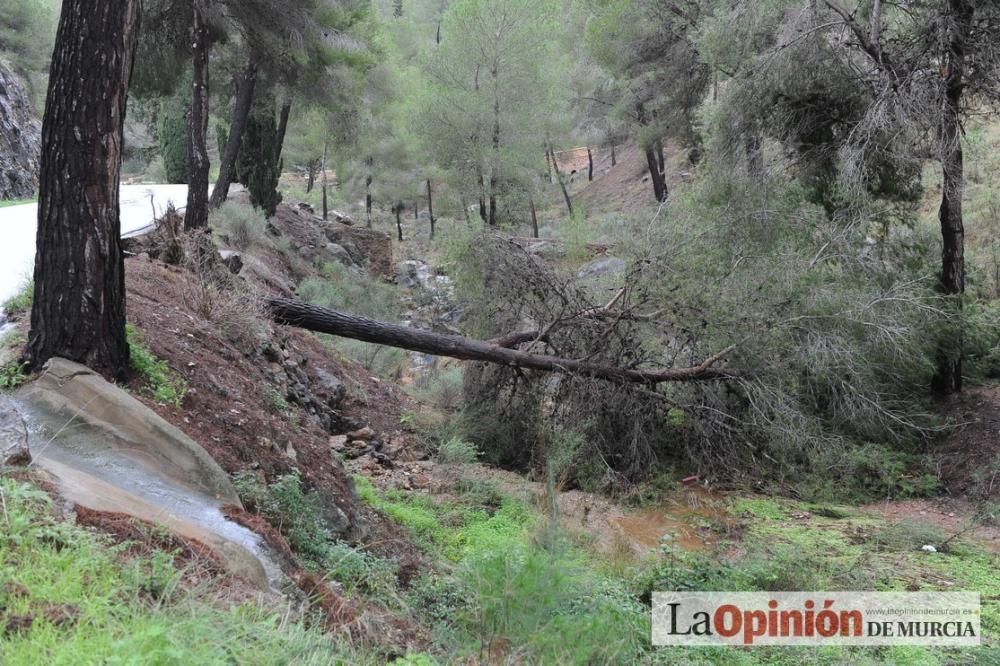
{"x":500,"y":351}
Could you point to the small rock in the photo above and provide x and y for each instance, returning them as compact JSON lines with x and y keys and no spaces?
{"x":364,"y":434}
{"x":339,"y":253}
{"x":601,"y":267}
{"x":232,"y":260}
{"x":929,"y":549}
{"x":338,"y":442}
{"x":291,"y":453}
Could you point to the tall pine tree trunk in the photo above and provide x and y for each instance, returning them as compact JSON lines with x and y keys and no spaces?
{"x":562,"y":183}
{"x":948,"y":379}
{"x":430,"y":206}
{"x":534,"y":217}
{"x":79,"y":304}
{"x":237,"y":125}
{"x":286,"y":110}
{"x":196,"y":213}
{"x":368,"y":195}
{"x":326,"y":210}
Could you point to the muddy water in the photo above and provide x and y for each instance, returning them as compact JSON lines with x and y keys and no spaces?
{"x":681,"y":521}
{"x":90,"y":472}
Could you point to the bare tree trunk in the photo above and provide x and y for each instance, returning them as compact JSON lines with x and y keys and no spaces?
{"x":399,"y":222}
{"x":548,"y":164}
{"x":430,"y":206}
{"x":333,"y":322}
{"x":416,"y":211}
{"x":326,"y":211}
{"x":465,"y":208}
{"x":79,"y":302}
{"x":312,"y":168}
{"x":368,"y":193}
{"x":614,"y":156}
{"x":562,"y":183}
{"x":286,"y":110}
{"x":237,"y":125}
{"x":660,"y":162}
{"x":534,"y":217}
{"x":948,"y":379}
{"x":196,"y":212}
{"x":590,"y":165}
{"x":659,"y":191}
{"x":495,"y":167}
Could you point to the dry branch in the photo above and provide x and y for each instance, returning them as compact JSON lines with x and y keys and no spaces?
{"x":334,"y":322}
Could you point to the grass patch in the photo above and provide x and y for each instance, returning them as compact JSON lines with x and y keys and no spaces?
{"x":6,"y":203}
{"x":164,"y":384}
{"x":20,"y":303}
{"x":514,"y":591}
{"x":81,"y":599}
{"x":297,"y":514}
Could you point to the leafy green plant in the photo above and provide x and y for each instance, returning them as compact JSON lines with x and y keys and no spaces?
{"x":457,"y":452}
{"x":103,"y":594}
{"x":163,"y":383}
{"x":242,"y":225}
{"x":13,"y":375}
{"x":22,"y":301}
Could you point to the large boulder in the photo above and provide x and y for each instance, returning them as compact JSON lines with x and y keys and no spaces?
{"x":103,"y":450}
{"x":20,"y":138}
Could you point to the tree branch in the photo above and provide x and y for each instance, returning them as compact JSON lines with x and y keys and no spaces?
{"x":333,"y":322}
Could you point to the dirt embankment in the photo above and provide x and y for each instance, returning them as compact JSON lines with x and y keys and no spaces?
{"x":269,"y":399}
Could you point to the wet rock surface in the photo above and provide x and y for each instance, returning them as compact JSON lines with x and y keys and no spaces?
{"x":20,"y":139}
{"x":104,"y":450}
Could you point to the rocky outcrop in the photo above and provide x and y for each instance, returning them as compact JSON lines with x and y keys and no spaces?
{"x":103,"y":450}
{"x":20,"y":138}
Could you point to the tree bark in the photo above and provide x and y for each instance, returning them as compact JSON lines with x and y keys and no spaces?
{"x":79,"y":302}
{"x":590,"y":166}
{"x":237,"y":125}
{"x":286,"y":110}
{"x":562,"y":183}
{"x":399,"y":222}
{"x":659,"y":191}
{"x":948,"y":379}
{"x":326,"y":210}
{"x":333,"y":322}
{"x":534,"y":217}
{"x":196,"y":213}
{"x":368,"y":193}
{"x":430,"y":206}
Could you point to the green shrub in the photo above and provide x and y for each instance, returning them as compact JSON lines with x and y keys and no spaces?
{"x":297,"y":514}
{"x":456,"y":451}
{"x":21,"y":302}
{"x":12,"y":375}
{"x":257,"y":163}
{"x":163,"y":383}
{"x":242,"y":225}
{"x":172,"y":134}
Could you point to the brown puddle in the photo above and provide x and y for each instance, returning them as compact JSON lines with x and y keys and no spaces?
{"x":648,"y":527}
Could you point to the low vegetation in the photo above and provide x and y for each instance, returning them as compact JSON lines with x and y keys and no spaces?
{"x":164,"y":384}
{"x":70,"y":593}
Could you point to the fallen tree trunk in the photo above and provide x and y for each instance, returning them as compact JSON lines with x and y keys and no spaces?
{"x":333,"y":322}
